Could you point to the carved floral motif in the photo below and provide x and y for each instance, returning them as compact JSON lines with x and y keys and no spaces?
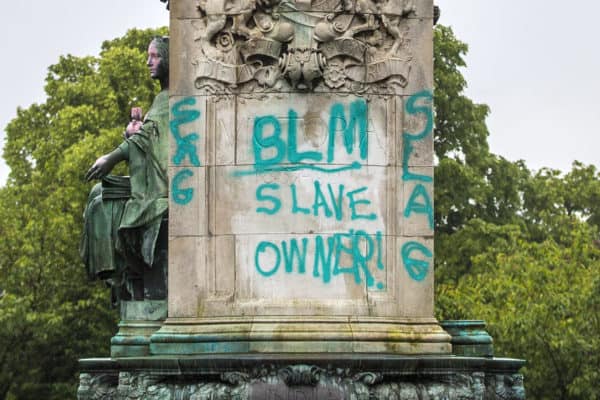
{"x":301,"y":44}
{"x":308,"y":381}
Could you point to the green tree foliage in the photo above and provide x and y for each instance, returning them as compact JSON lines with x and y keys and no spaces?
{"x":516,"y":248}
{"x":49,"y":316}
{"x":474,"y":187}
{"x":541,"y":302}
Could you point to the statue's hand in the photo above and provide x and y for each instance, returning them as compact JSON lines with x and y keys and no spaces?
{"x":99,"y":170}
{"x":136,"y":122}
{"x":104,"y":165}
{"x":132,"y":128}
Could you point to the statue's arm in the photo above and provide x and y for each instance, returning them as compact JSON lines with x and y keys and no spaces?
{"x":107,"y":162}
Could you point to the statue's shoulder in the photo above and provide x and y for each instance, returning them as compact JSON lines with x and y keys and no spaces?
{"x":161,"y":99}
{"x":160,"y":106}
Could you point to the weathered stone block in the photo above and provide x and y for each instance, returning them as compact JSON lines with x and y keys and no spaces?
{"x":420,"y":50}
{"x":187,"y":275}
{"x":183,"y":9}
{"x":416,"y":276}
{"x":312,"y":195}
{"x":221,"y":116}
{"x":183,"y":34}
{"x":188,"y":211}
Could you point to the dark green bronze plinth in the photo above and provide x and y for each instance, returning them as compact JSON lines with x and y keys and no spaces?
{"x":469,"y":338}
{"x":139,"y":320}
{"x":302,"y":376}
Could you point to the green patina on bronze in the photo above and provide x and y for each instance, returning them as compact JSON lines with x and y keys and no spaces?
{"x":469,"y":338}
{"x":147,"y":152}
{"x":124,"y":239}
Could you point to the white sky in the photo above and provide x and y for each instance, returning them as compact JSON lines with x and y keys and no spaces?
{"x":36,"y":32}
{"x":534,"y":62}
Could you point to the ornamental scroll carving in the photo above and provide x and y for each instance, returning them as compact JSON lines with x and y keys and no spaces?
{"x":282,"y":45}
{"x":301,"y":382}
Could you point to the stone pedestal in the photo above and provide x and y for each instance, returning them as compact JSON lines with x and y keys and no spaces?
{"x":301,"y":170}
{"x":139,"y":320}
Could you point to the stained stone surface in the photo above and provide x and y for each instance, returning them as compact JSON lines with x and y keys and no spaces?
{"x":303,"y":378}
{"x":301,"y":175}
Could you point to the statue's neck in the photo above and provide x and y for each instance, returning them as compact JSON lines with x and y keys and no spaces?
{"x":164,"y":84}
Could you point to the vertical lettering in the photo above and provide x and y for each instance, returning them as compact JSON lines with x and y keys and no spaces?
{"x":420,"y":207}
{"x":185,"y":144}
{"x":417,"y":269}
{"x":182,"y":196}
{"x":413,"y":109}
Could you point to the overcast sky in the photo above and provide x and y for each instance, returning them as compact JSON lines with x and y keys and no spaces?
{"x":36,"y":32}
{"x":536,"y":63}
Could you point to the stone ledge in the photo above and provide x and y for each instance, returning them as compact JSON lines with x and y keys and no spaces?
{"x":300,"y":335}
{"x":217,"y":363}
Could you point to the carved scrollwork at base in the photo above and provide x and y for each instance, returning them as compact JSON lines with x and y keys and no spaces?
{"x":98,"y":386}
{"x":284,"y":45}
{"x":302,"y":381}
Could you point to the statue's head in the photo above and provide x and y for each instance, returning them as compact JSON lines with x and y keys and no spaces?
{"x":158,"y":58}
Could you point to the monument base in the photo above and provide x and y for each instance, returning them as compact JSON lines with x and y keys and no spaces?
{"x":302,"y":376}
{"x":302,"y":334}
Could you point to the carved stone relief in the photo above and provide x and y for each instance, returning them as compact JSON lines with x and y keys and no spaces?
{"x":302,"y":382}
{"x":246,"y":45}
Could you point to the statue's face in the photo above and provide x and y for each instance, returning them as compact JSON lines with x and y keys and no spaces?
{"x":155,"y":63}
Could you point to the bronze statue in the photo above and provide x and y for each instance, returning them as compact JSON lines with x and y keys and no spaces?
{"x":125,"y":233}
